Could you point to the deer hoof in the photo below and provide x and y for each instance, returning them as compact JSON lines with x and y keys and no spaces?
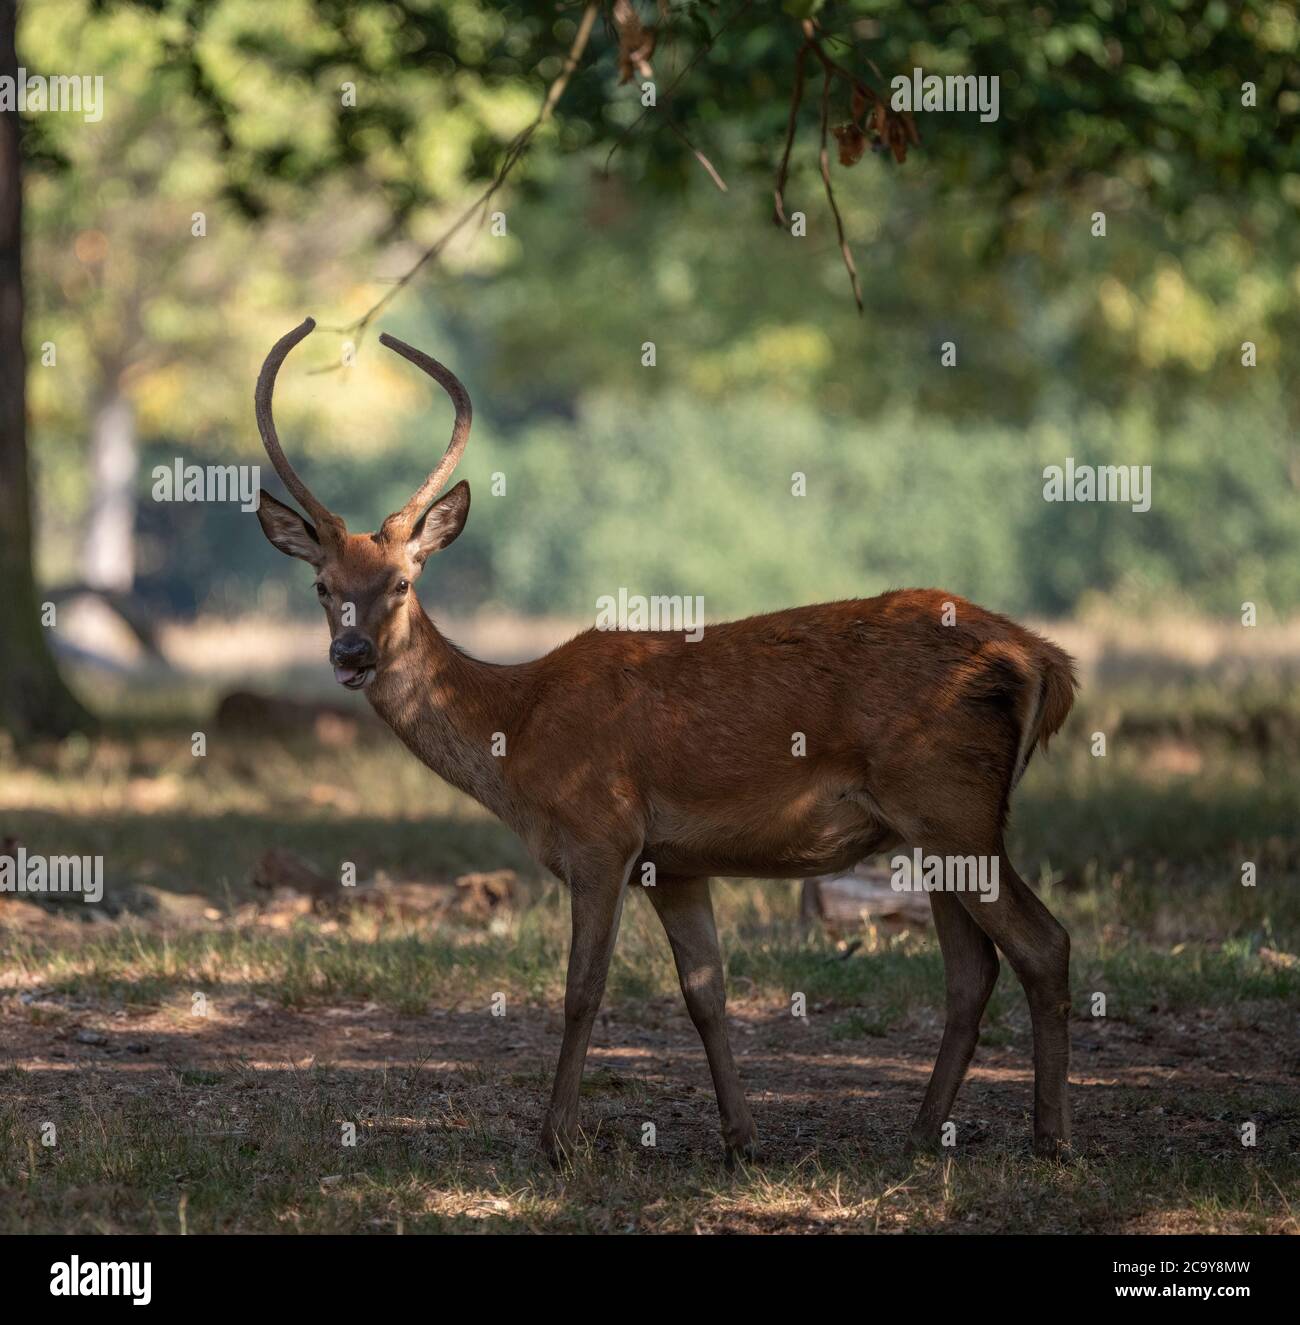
{"x":1054,"y":1147}
{"x":736,"y":1152}
{"x":558,"y":1143}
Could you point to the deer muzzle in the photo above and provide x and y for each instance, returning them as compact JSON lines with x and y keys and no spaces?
{"x":353,"y":658}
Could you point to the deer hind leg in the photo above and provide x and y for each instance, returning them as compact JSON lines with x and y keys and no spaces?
{"x":1038,"y":948}
{"x":686,"y":910}
{"x":597,"y":889}
{"x":964,"y":814}
{"x":970,"y":967}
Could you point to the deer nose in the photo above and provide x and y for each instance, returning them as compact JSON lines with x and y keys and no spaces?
{"x":352,"y":650}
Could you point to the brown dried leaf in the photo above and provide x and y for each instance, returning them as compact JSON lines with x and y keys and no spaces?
{"x":852,"y":141}
{"x":636,"y":43}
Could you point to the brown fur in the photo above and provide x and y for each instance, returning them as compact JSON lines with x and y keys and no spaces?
{"x":626,"y":751}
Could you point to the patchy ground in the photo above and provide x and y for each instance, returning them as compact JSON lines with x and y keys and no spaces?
{"x":243,"y":1110}
{"x":375,"y":1014}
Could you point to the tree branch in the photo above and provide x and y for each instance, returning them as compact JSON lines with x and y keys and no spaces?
{"x":824,"y":158}
{"x":518,"y":146}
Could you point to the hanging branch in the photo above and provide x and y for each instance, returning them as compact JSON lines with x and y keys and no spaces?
{"x":783,"y":170}
{"x":845,"y":252}
{"x":518,"y":146}
{"x":883,"y":128}
{"x":668,"y":94}
{"x":698,"y":155}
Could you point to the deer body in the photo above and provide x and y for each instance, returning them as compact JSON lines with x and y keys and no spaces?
{"x":687,"y":748}
{"x":781,"y":746}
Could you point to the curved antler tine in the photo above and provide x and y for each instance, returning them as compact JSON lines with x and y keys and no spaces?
{"x":327,"y":523}
{"x":401,"y":523}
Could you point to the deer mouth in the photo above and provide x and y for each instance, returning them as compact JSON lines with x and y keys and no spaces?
{"x":353,"y":677}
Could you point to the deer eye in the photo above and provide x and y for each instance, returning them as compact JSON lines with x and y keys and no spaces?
{"x":402,"y":586}
{"x":321,"y":590}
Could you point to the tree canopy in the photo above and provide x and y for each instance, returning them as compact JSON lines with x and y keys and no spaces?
{"x":1099,"y":255}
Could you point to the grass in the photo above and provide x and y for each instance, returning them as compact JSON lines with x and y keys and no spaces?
{"x":407,"y":967}
{"x":236,"y":1121}
{"x":229,"y":1152}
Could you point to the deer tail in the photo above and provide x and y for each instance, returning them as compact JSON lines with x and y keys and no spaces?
{"x":1048,"y":705}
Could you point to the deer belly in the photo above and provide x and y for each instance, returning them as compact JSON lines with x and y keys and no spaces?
{"x":811,"y":835}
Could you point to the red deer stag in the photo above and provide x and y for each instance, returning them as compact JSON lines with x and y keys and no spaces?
{"x":918,"y":713}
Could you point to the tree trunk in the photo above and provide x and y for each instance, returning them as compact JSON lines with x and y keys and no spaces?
{"x":108,"y":558}
{"x":33,"y":698}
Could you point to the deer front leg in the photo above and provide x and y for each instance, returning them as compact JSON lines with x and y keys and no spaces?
{"x":596,"y":893}
{"x":686,"y":910}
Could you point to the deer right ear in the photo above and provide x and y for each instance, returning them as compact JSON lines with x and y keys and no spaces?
{"x":288,"y":531}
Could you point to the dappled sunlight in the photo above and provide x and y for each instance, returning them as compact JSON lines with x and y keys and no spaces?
{"x":324,"y":1006}
{"x":311,"y":842}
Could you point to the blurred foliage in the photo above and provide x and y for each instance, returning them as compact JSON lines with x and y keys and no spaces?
{"x":677,"y":479}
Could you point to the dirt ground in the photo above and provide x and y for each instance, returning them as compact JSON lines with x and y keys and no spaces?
{"x":815,"y":1089}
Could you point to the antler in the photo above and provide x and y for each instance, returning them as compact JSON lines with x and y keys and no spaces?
{"x":401,"y":523}
{"x":327,"y":523}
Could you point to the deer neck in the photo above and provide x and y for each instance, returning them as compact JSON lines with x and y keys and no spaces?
{"x":449,"y":709}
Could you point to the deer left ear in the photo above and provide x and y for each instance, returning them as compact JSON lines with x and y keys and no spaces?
{"x":441,"y":524}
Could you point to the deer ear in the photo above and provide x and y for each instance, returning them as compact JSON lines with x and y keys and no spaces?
{"x":288,"y":531}
{"x":441,"y":524}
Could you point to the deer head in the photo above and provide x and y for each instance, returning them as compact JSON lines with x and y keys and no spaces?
{"x":364,"y":581}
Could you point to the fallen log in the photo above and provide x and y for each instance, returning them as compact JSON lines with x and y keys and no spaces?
{"x":863,"y":898}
